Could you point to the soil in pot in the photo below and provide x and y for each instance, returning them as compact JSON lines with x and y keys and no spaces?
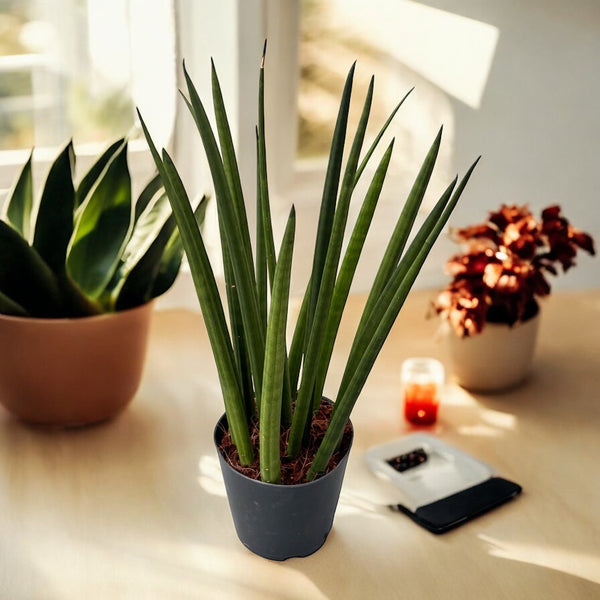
{"x":293,"y":470}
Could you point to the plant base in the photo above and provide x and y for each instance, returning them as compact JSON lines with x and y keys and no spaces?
{"x":281,"y":521}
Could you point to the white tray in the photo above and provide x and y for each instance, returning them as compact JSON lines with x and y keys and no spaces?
{"x":446,"y":471}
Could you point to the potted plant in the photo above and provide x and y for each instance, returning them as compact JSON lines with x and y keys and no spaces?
{"x":282,"y":447}
{"x":491,"y":303}
{"x":79,"y":268}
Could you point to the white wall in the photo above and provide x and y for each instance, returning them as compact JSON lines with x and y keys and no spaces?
{"x":535,"y":116}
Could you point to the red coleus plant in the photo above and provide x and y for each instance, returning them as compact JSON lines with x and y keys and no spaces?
{"x":504,"y":267}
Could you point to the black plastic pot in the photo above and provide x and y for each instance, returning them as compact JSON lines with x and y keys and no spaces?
{"x":281,"y":521}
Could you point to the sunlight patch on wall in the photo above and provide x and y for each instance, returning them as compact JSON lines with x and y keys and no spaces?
{"x":452,"y":51}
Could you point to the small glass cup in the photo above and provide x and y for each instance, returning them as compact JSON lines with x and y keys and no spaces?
{"x":422,"y":380}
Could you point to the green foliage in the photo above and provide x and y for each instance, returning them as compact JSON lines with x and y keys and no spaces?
{"x":252,"y":340}
{"x":86,"y":249}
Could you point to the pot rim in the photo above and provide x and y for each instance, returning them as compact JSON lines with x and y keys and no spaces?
{"x":87,"y":319}
{"x":282,"y":486}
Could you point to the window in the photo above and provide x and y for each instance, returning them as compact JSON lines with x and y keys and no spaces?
{"x":307,"y":60}
{"x":77,"y":69}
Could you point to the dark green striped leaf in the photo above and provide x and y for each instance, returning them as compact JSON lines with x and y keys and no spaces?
{"x":17,"y":210}
{"x":25,"y":278}
{"x":90,"y":179}
{"x":275,"y":360}
{"x":103,"y":228}
{"x":54,"y":219}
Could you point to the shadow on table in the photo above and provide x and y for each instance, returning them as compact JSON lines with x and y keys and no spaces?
{"x":355,"y":566}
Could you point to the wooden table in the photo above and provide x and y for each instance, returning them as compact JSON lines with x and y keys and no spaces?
{"x":135,"y":508}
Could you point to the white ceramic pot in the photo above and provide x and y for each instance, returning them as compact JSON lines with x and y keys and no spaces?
{"x":497,"y":358}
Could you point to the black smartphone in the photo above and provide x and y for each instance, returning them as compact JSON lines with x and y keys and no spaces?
{"x":450,"y":512}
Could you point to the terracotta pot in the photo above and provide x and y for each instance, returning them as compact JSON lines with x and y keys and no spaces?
{"x":281,"y":521}
{"x":499,"y":357}
{"x":70,"y":372}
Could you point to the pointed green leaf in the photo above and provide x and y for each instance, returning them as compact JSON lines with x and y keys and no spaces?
{"x":275,"y":360}
{"x":147,"y":195}
{"x":263,"y":185}
{"x":363,"y":334}
{"x":17,"y":210}
{"x":317,"y":328}
{"x":25,"y":278}
{"x":241,"y":261}
{"x":173,"y":255}
{"x":54,"y":218}
{"x":348,"y":268}
{"x":378,"y":137}
{"x":103,"y":228}
{"x":210,"y":301}
{"x":93,"y":175}
{"x":297,"y":345}
{"x":236,"y":319}
{"x":265,"y":245}
{"x":230,"y":164}
{"x":9,"y":307}
{"x":141,"y":259}
{"x":236,"y":323}
{"x":329,"y":198}
{"x":261,"y":250}
{"x":345,"y":403}
{"x":401,"y":232}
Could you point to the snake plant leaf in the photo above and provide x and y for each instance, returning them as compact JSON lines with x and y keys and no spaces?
{"x":17,"y":210}
{"x":275,"y":360}
{"x":103,"y":228}
{"x":25,"y":278}
{"x":209,"y":299}
{"x":261,"y":266}
{"x":147,"y":195}
{"x":9,"y":307}
{"x":137,"y":285}
{"x":399,"y":236}
{"x":297,"y":345}
{"x":54,"y":218}
{"x":236,"y":320}
{"x":346,"y":401}
{"x":230,"y":164}
{"x":142,"y":254}
{"x":330,"y":267}
{"x":173,"y":255}
{"x":402,"y":230}
{"x":363,"y":335}
{"x":92,"y":176}
{"x":329,"y":198}
{"x":378,"y":137}
{"x":241,"y":259}
{"x":263,"y":186}
{"x":348,"y":268}
{"x":265,"y":245}
{"x":236,"y":324}
{"x":210,"y":302}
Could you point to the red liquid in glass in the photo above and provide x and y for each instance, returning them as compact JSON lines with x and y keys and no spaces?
{"x":421,"y":403}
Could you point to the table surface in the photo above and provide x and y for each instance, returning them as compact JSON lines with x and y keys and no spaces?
{"x":135,"y":508}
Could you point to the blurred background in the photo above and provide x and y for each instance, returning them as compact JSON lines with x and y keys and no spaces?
{"x":516,"y":82}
